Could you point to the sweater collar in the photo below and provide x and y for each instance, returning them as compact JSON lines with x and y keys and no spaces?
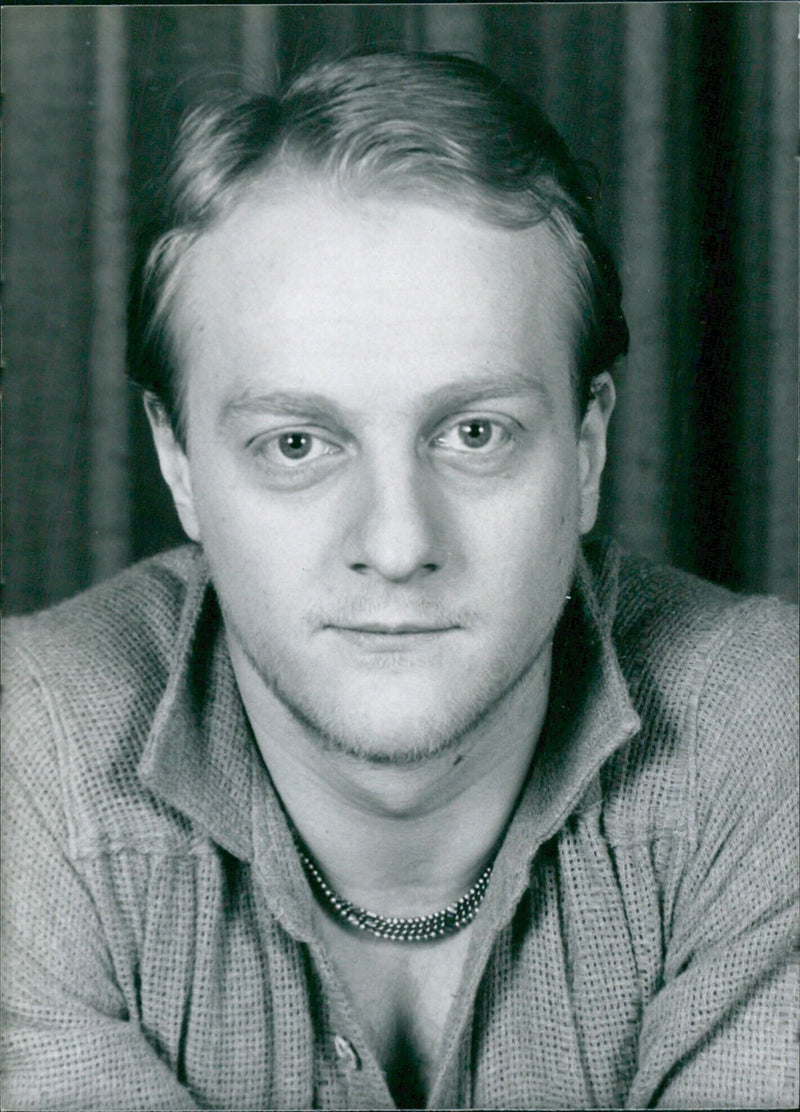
{"x":202,"y":759}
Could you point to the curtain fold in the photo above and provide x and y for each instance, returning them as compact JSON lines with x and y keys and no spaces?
{"x":643,"y":430}
{"x":109,"y":462}
{"x":687,"y":111}
{"x":779,"y":571}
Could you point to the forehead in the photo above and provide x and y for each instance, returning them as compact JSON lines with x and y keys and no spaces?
{"x":318,"y":292}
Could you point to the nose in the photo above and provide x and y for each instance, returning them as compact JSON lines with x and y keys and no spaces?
{"x":395,"y":527}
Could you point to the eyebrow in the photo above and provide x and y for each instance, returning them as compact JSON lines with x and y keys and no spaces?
{"x":504,"y":384}
{"x":289,"y":403}
{"x":452,"y":396}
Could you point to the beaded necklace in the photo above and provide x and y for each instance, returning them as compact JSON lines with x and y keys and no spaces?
{"x":395,"y":928}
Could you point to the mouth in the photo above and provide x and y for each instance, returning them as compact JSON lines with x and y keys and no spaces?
{"x":391,"y":629}
{"x":391,"y":636}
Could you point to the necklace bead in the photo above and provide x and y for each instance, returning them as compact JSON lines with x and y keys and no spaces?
{"x":396,"y":928}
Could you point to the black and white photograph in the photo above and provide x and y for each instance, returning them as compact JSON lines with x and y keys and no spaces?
{"x":400,"y":562}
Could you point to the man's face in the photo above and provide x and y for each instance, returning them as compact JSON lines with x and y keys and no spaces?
{"x":383,"y":463}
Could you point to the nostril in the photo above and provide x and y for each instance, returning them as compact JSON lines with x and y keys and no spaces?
{"x":360,"y":568}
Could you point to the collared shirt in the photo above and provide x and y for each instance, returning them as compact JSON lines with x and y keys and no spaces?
{"x":634,"y":946}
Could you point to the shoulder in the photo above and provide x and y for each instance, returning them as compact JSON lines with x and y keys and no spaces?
{"x":713,"y":677}
{"x":670,"y":611}
{"x":162,"y":578}
{"x":703,"y":649}
{"x":82,"y":681}
{"x":106,"y":639}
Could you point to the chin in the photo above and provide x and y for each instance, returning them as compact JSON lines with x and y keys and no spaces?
{"x":400,"y":720}
{"x":383,"y":726}
{"x":383,"y":752}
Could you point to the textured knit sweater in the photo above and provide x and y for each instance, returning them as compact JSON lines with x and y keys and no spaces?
{"x":634,"y":947}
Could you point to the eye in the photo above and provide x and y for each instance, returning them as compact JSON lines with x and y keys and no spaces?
{"x":476,"y":434}
{"x":294,"y":446}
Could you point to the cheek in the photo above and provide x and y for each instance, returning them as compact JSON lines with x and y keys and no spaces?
{"x":269,"y":544}
{"x":521,"y":562}
{"x":530,"y":515}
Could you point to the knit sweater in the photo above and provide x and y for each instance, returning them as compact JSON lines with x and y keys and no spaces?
{"x":633,"y":949}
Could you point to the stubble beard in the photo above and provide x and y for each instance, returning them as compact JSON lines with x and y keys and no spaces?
{"x":483,"y":696}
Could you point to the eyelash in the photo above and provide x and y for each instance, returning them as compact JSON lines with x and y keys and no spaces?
{"x":265,"y":444}
{"x":501,"y":436}
{"x":477,"y":423}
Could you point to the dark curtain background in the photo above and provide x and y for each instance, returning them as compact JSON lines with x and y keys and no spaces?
{"x":687,"y":110}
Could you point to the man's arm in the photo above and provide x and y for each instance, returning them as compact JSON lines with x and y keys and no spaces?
{"x":68,"y":1040}
{"x":722,"y":1031}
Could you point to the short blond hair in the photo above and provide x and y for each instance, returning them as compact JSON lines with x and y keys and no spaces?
{"x":437,"y":127}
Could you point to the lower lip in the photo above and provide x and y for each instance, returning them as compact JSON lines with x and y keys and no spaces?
{"x":373,"y":642}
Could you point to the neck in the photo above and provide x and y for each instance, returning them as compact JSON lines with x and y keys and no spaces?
{"x":400,"y":839}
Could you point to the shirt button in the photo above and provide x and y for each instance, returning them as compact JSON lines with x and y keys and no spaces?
{"x":631,"y":723}
{"x":346,"y":1052}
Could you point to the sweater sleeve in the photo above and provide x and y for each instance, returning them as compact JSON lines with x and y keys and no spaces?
{"x":722,"y":1031}
{"x":68,"y":1038}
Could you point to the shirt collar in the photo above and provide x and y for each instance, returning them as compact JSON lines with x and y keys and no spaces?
{"x":200,"y":755}
{"x":202,"y":759}
{"x":589,"y":717}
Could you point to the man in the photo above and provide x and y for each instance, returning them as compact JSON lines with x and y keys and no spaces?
{"x":384,"y":792}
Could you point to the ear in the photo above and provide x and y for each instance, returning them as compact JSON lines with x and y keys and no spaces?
{"x":592,"y":447}
{"x":174,"y":465}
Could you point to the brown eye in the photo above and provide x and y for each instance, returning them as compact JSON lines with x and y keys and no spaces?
{"x":475,"y":434}
{"x":295,"y":445}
